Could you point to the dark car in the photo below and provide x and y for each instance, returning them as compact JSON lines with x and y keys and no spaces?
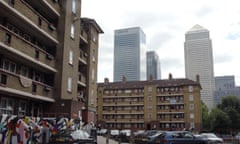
{"x":69,"y":136}
{"x":175,"y":137}
{"x":142,"y":137}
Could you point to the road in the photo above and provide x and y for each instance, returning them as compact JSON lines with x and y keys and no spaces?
{"x":103,"y":140}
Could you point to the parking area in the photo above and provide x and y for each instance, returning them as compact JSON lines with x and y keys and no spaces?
{"x":103,"y":140}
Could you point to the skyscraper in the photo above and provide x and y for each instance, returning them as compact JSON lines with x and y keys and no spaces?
{"x":153,"y":66}
{"x":199,"y":61}
{"x":129,"y":54}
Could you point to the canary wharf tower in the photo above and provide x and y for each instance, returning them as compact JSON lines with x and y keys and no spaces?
{"x":199,"y":61}
{"x":129,"y":54}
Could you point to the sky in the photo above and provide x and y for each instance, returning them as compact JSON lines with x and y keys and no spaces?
{"x":165,"y":23}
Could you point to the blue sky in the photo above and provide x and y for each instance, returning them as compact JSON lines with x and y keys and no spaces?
{"x":165,"y":24}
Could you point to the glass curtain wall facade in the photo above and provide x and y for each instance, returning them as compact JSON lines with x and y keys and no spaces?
{"x":129,"y":54}
{"x":153,"y":66}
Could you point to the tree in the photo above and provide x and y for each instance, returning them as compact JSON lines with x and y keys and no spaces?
{"x":231,"y":106}
{"x":219,"y":120}
{"x":205,"y":117}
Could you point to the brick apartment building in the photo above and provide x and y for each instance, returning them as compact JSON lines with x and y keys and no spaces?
{"x":170,"y":104}
{"x":48,"y":59}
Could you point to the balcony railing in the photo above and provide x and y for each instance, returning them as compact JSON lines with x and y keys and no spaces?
{"x":26,"y":85}
{"x":26,"y":47}
{"x":82,"y":79}
{"x":35,"y":17}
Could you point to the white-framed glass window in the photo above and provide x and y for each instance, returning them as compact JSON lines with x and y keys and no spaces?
{"x":70,"y":57}
{"x":93,"y":74}
{"x":191,"y":116}
{"x":190,"y":97}
{"x":93,"y":57}
{"x":191,"y":106}
{"x":69,"y":88}
{"x":190,"y":88}
{"x":149,"y":106}
{"x":72,"y":30}
{"x":149,"y":98}
{"x":150,"y":88}
{"x":192,"y":125}
{"x":9,"y":66}
{"x":74,"y":6}
{"x":92,"y":97}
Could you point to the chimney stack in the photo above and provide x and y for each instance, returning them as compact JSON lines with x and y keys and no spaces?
{"x":170,"y":76}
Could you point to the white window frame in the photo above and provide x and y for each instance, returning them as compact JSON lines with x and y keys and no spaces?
{"x":191,"y":98}
{"x":72,"y":30}
{"x":74,"y":6}
{"x":71,"y":57}
{"x":69,"y":88}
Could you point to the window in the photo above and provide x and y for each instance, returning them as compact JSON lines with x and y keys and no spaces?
{"x":37,"y":54}
{"x":8,"y":38}
{"x":70,"y":57}
{"x":92,"y":97}
{"x":149,"y":106}
{"x":3,"y":79}
{"x":39,"y":21}
{"x":190,"y":88}
{"x":191,"y":116}
{"x":38,"y":77}
{"x":93,"y":74}
{"x":72,"y":30}
{"x":74,"y":6}
{"x":69,"y":88}
{"x":93,"y":58}
{"x":24,"y":71}
{"x":9,"y":66}
{"x":11,"y":2}
{"x":6,"y":106}
{"x":149,"y":89}
{"x":22,"y":108}
{"x":34,"y":88}
{"x":190,"y":97}
{"x":191,"y":106}
{"x":149,"y":98}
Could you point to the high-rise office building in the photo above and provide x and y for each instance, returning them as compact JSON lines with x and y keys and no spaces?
{"x":129,"y":54}
{"x":153,"y":66}
{"x":225,"y":86}
{"x":199,"y":61}
{"x":48,"y":59}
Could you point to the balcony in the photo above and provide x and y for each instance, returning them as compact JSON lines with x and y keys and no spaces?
{"x":83,"y":37}
{"x":19,"y":85}
{"x":25,"y":47}
{"x":33,"y":18}
{"x":83,"y":57}
{"x":82,"y":79}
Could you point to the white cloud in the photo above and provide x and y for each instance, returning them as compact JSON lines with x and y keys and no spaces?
{"x":165,"y":24}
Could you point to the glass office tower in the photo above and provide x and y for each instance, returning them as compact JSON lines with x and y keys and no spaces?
{"x":199,"y":61}
{"x":129,"y":54}
{"x":153,"y":66}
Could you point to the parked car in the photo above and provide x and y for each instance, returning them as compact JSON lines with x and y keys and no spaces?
{"x":124,"y":135}
{"x":143,"y":137}
{"x":177,"y":137}
{"x":238,"y":136}
{"x":212,"y":138}
{"x":114,"y":133}
{"x":69,"y":136}
{"x":102,"y":132}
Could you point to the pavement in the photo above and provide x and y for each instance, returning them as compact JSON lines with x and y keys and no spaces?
{"x":103,"y":140}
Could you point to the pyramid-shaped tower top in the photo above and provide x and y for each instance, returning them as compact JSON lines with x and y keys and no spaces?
{"x":197,"y":28}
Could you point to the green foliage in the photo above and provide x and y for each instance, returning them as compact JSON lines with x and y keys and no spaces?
{"x":225,"y":117}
